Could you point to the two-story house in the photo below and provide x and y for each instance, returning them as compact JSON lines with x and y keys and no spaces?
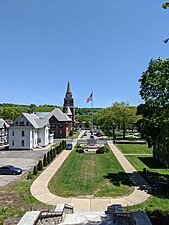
{"x":29,"y":131}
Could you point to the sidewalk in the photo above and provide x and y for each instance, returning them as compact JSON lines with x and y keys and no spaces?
{"x":39,"y":188}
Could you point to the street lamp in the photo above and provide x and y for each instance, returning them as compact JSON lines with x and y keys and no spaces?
{"x":113,"y":126}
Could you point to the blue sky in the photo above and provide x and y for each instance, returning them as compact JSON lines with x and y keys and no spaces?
{"x":99,"y":45}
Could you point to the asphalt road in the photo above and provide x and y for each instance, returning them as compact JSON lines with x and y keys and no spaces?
{"x":24,"y":159}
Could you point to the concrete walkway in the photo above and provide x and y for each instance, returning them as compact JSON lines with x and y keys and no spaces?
{"x":39,"y":188}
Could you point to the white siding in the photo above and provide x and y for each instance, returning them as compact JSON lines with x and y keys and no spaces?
{"x":16,"y":139}
{"x":43,"y":136}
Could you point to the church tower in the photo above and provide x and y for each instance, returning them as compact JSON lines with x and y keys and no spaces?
{"x":69,"y":103}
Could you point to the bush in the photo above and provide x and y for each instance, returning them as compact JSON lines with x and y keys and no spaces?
{"x":51,"y":155}
{"x":44,"y":161}
{"x":40,"y":166}
{"x":80,"y":150}
{"x":35,"y":171}
{"x":78,"y":145}
{"x":100,"y":150}
{"x":29,"y":176}
{"x":57,"y":150}
{"x":54,"y":152}
{"x":48,"y":158}
{"x":106,"y":148}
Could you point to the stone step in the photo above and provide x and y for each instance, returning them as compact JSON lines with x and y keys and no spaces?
{"x":88,"y":218}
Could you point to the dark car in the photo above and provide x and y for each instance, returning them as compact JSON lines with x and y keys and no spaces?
{"x":8,"y":170}
{"x":69,"y":146}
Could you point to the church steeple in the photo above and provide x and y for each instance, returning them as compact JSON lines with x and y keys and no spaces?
{"x":68,"y":87}
{"x":69,"y":102}
{"x":68,"y":93}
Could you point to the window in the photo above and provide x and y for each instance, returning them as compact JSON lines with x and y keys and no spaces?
{"x":53,"y":125}
{"x":13,"y":133}
{"x":60,"y":125}
{"x":60,"y":132}
{"x":22,"y":143}
{"x":21,"y":123}
{"x":27,"y":123}
{"x":17,"y":123}
{"x":39,"y":140}
{"x":12,"y":142}
{"x":23,"y":133}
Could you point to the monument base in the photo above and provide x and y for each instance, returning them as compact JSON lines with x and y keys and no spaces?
{"x":91,"y":142}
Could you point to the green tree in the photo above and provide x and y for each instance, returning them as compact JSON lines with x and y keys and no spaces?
{"x":48,"y":157}
{"x":44,"y":161}
{"x":123,"y":115}
{"x":154,"y":90}
{"x":35,"y":171}
{"x":40,"y":166}
{"x":165,"y":5}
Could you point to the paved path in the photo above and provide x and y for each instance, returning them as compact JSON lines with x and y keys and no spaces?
{"x":39,"y":188}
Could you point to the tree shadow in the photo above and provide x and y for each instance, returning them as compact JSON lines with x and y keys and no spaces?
{"x":159,"y":183}
{"x":152,"y":163}
{"x":119,"y":178}
{"x":153,"y":183}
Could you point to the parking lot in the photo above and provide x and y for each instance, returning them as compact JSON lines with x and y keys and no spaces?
{"x":24,"y":159}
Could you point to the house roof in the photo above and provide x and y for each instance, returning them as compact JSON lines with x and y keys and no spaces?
{"x":35,"y":120}
{"x":2,"y":122}
{"x":59,"y":115}
{"x":41,"y":114}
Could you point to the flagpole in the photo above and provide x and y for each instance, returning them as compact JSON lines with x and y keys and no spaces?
{"x":92,"y":110}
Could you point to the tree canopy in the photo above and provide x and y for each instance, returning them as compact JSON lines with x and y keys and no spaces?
{"x":154,"y":90}
{"x":120,"y":113}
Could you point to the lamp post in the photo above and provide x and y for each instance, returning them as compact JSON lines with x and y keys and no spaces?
{"x":113,"y":126}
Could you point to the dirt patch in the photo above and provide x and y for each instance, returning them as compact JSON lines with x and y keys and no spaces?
{"x":8,"y":198}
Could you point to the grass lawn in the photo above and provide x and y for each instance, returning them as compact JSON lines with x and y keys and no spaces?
{"x":160,"y":198}
{"x":148,"y":162}
{"x":16,"y":199}
{"x":90,"y":174}
{"x":134,"y":148}
{"x":159,"y":201}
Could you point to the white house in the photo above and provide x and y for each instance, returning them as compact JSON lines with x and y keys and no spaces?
{"x":29,"y":131}
{"x":3,"y":131}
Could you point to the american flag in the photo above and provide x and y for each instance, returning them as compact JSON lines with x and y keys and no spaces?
{"x":90,"y":98}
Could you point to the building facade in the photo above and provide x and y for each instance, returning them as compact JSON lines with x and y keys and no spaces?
{"x":4,"y":127}
{"x":60,"y":123}
{"x":29,"y":131}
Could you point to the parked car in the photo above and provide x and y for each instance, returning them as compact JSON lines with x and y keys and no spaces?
{"x":69,"y":146}
{"x":9,"y":169}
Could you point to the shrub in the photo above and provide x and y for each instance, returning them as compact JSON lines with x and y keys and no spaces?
{"x":29,"y":176}
{"x":78,"y":146}
{"x":65,"y":144}
{"x":106,"y":148}
{"x":100,"y":150}
{"x":48,"y":158}
{"x":44,"y":161}
{"x":40,"y":166}
{"x":57,"y":150}
{"x":80,"y":150}
{"x":51,"y":155}
{"x":54,"y":152}
{"x":35,"y":171}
